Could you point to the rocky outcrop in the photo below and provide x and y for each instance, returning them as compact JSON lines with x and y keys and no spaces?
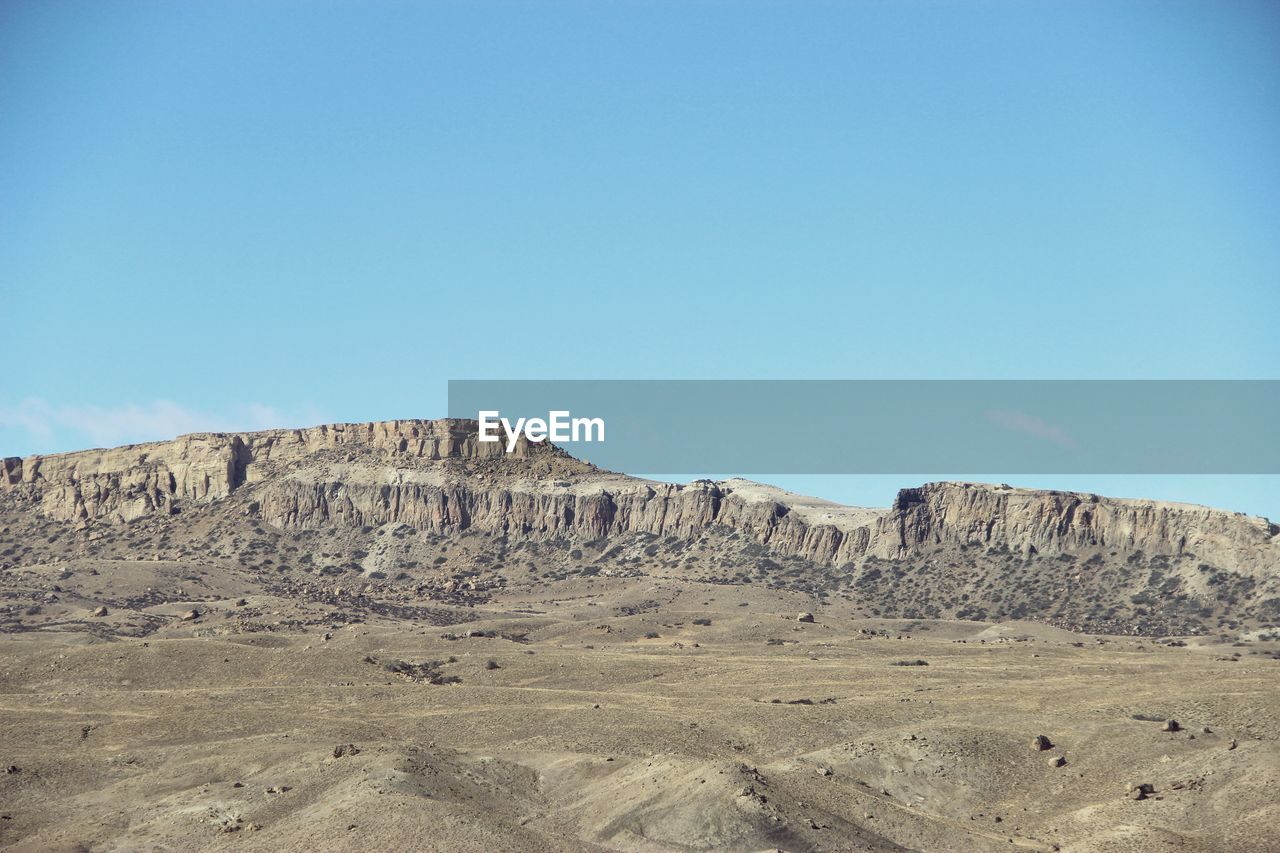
{"x":1068,"y":522}
{"x":437,"y":477}
{"x":129,"y":482}
{"x":136,"y":480}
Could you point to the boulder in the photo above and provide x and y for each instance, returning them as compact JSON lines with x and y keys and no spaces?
{"x":1140,"y":790}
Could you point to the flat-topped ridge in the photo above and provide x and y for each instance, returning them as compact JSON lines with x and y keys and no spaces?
{"x":437,"y":475}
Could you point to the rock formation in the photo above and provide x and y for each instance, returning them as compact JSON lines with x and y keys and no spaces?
{"x":437,"y":477}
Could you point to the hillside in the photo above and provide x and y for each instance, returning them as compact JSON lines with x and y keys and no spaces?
{"x":379,"y":506}
{"x":389,"y":636}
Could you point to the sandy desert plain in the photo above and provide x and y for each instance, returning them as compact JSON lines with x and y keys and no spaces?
{"x":385,"y":637}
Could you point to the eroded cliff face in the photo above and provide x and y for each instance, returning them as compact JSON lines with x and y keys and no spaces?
{"x":128,"y":482}
{"x":937,"y":514}
{"x":437,"y":477}
{"x":1068,"y":522}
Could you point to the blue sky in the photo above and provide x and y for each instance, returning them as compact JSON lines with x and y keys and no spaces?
{"x":236,"y":215}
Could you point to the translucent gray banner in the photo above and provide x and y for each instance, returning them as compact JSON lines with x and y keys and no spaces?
{"x":756,"y":427}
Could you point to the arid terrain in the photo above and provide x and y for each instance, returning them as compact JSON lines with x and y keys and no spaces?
{"x":389,"y":636}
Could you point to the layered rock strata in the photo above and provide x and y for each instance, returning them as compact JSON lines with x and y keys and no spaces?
{"x":437,"y":477}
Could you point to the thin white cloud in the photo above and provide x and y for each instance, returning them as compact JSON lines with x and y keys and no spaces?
{"x":1031,"y":425}
{"x":37,"y":425}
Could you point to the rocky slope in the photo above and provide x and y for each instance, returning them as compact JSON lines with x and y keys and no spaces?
{"x":438,"y":479}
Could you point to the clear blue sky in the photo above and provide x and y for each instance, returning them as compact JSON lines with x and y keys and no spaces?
{"x":233,"y":214}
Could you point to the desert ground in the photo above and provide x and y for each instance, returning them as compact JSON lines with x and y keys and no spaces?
{"x":632,"y":714}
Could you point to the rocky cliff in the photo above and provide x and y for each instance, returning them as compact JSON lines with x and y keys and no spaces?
{"x":437,"y":477}
{"x":124,"y":483}
{"x":1055,"y":522}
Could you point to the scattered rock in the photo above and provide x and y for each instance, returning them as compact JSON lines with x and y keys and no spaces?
{"x":342,"y":750}
{"x":1058,"y":761}
{"x":190,"y":615}
{"x":805,"y":617}
{"x":101,"y":611}
{"x":1140,"y":790}
{"x":1041,"y":743}
{"x":1171,"y":726}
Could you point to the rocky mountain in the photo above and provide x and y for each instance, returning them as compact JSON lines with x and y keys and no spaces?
{"x":961,"y":550}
